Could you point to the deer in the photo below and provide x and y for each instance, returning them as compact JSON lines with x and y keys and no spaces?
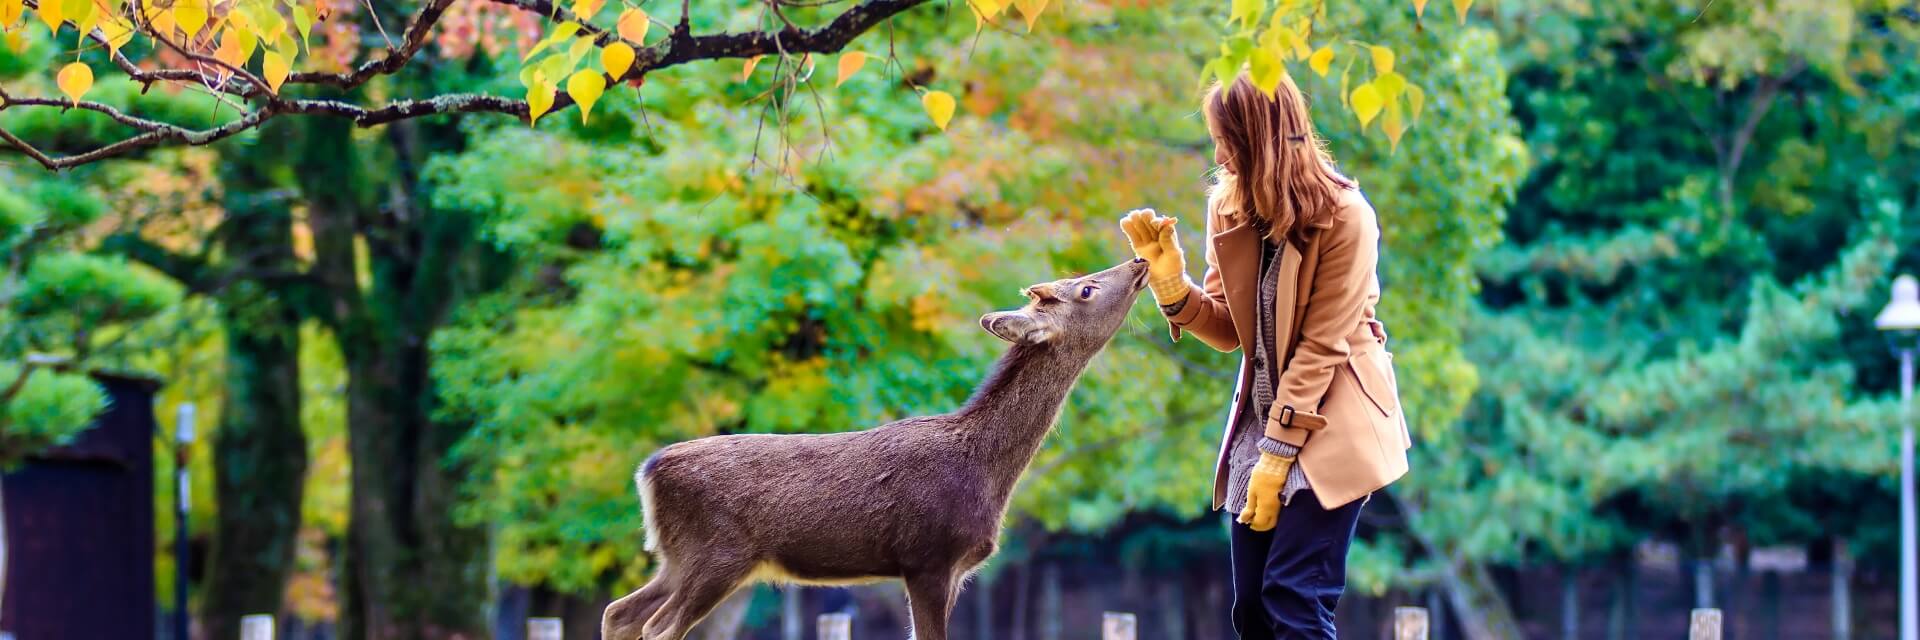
{"x":920,"y":500}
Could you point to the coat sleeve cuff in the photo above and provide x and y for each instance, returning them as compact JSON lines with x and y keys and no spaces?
{"x":1293,"y":431}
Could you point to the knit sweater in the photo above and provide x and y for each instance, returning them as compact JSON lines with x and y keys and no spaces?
{"x":1249,"y":430}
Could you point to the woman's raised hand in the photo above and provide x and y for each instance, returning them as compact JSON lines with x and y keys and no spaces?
{"x":1154,"y":240}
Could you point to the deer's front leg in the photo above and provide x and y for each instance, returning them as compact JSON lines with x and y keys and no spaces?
{"x":931,"y":596}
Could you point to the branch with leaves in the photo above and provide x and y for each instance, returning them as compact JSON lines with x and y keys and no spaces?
{"x":246,"y":54}
{"x":243,"y":53}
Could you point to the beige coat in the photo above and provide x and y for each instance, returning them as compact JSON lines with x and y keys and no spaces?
{"x":1339,"y":377}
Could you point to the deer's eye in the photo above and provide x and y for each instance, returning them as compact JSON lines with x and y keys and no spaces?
{"x":1086,"y":293}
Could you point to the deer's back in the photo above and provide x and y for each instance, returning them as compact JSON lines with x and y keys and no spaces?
{"x":826,"y":506}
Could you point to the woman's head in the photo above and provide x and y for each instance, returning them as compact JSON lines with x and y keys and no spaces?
{"x":1275,"y":166}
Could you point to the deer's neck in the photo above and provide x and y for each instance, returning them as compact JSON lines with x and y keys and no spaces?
{"x":1009,"y":415}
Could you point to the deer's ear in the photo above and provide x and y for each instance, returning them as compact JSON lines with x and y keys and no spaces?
{"x":1017,"y":327}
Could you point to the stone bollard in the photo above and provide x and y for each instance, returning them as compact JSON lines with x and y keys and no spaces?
{"x":1409,"y":623}
{"x":1704,"y":624}
{"x":835,"y":626}
{"x":258,"y":626}
{"x":543,"y":629}
{"x":1118,"y":626}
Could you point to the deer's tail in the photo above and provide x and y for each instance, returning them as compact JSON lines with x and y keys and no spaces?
{"x":644,"y":480}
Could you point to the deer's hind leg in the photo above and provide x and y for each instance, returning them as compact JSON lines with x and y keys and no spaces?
{"x":700,"y":588}
{"x":626,"y":618}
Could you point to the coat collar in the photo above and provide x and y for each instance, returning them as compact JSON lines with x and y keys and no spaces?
{"x":1237,"y":251}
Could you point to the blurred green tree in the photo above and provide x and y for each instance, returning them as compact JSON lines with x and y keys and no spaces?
{"x":1689,"y":273}
{"x":61,"y":306}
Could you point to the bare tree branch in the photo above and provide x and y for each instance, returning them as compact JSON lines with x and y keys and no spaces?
{"x":680,"y":47}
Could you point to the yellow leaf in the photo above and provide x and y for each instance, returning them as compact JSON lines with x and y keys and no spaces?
{"x":1366,"y":103}
{"x":1031,"y":10}
{"x":1298,"y":38}
{"x":1416,"y":99}
{"x":1265,"y":66}
{"x":1382,"y":60}
{"x":1460,"y":7}
{"x":10,"y":12}
{"x":247,"y":41}
{"x":1390,"y":85}
{"x":118,"y":32}
{"x":984,"y":10}
{"x":1343,"y":87}
{"x":16,"y":41}
{"x":579,"y":50}
{"x":237,"y":20}
{"x":161,"y":22}
{"x":539,"y":100}
{"x":586,"y":86}
{"x":584,"y":9}
{"x":850,"y":63}
{"x":1321,"y":61}
{"x":1419,"y":8}
{"x":303,"y":22}
{"x":191,"y":15}
{"x":560,"y":33}
{"x":939,"y":105}
{"x":229,"y":50}
{"x":84,"y":15}
{"x":617,"y":58}
{"x":274,"y":69}
{"x":1245,"y":11}
{"x":633,"y":26}
{"x":1393,"y":125}
{"x":74,"y":80}
{"x":747,"y":71}
{"x":50,"y":14}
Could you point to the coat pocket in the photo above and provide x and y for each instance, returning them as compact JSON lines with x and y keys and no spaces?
{"x":1373,"y":369}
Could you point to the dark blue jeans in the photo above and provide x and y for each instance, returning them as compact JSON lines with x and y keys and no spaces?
{"x":1286,"y":582}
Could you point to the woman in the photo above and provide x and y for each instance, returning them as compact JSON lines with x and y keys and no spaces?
{"x":1315,"y":425}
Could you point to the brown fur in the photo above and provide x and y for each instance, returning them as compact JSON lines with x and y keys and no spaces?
{"x":919,"y":499}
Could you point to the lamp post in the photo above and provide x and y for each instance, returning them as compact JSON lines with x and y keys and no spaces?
{"x":182,"y":502}
{"x":1901,"y":320}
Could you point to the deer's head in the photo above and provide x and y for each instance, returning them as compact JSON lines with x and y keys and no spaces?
{"x":1074,"y":312}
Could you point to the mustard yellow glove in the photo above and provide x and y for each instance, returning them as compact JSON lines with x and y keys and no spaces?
{"x":1263,"y":491}
{"x":1154,"y":240}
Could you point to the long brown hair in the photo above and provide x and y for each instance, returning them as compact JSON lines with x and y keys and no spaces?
{"x":1278,"y":170}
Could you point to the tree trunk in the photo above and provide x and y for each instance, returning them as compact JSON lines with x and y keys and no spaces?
{"x":1050,"y":609}
{"x":1022,"y":602}
{"x":411,"y":571}
{"x":1173,"y":610}
{"x":791,"y":624}
{"x":259,"y":450}
{"x":983,"y":609}
{"x":1703,"y":583}
{"x":1482,"y":611}
{"x":1621,"y":623}
{"x":260,"y":469}
{"x":3,"y":552}
{"x":1569,"y":602}
{"x":1770,"y":592}
{"x":1842,"y":591}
